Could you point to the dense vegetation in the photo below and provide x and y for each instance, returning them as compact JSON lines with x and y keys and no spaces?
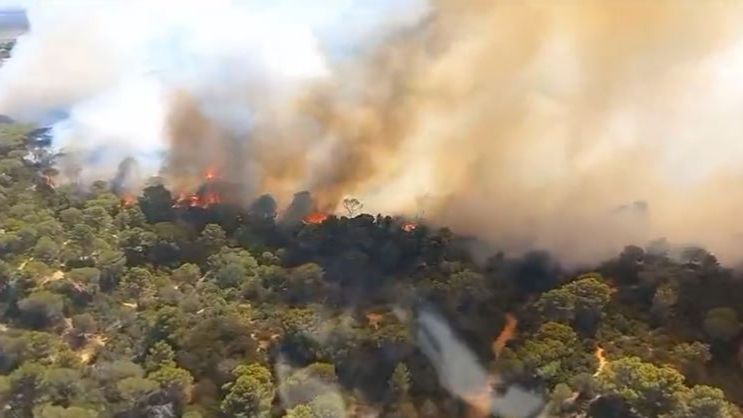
{"x":5,"y":48}
{"x":146,"y":308}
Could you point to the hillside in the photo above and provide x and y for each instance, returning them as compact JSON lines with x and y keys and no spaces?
{"x":155,"y":306}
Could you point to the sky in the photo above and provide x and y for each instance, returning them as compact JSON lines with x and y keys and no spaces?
{"x":12,"y":22}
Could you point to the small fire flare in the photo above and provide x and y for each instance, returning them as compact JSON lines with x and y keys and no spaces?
{"x":507,"y":334}
{"x":601,"y":358}
{"x":196,"y":200}
{"x":409,"y":227}
{"x":315,"y":218}
{"x":128,"y":200}
{"x":211,"y":174}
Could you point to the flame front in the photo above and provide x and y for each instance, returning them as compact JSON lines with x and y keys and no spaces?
{"x":128,"y":200}
{"x":211,"y":174}
{"x":601,"y":358}
{"x":49,"y":181}
{"x":196,"y":200}
{"x":315,"y":218}
{"x":507,"y":334}
{"x":409,"y":227}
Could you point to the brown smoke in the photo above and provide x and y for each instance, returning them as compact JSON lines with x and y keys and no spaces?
{"x":532,"y":124}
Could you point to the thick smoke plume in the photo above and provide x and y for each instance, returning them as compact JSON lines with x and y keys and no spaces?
{"x":575,"y":126}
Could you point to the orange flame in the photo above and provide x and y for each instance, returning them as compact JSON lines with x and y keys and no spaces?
{"x":185,"y":200}
{"x":49,"y":181}
{"x":194,"y":200}
{"x":601,"y":357}
{"x":480,"y":401}
{"x":128,"y":200}
{"x":315,"y":218}
{"x":210,"y":199}
{"x":409,"y":227}
{"x":211,"y":174}
{"x":507,"y":334}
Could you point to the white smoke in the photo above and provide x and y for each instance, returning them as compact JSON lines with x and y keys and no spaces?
{"x":105,"y":70}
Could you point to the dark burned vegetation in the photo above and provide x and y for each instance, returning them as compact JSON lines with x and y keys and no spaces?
{"x":120,"y":307}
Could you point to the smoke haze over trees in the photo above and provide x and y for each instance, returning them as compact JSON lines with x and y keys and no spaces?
{"x":530,"y":124}
{"x":150,"y":306}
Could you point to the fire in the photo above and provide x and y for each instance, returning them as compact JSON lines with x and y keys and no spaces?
{"x":210,"y":199}
{"x":49,"y":181}
{"x":128,"y":200}
{"x":211,"y":174}
{"x":480,"y":402}
{"x":315,"y":218}
{"x":409,"y":227}
{"x":506,"y":335}
{"x":195,"y":200}
{"x":374,"y":319}
{"x":187,"y":200}
{"x":207,"y":195}
{"x":601,"y":357}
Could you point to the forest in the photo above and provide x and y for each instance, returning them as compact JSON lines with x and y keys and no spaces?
{"x":159,"y":305}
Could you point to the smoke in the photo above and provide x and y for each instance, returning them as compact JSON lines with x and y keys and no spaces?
{"x":531,"y":124}
{"x":460,"y":372}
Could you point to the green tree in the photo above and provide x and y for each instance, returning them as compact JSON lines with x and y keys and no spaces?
{"x":303,"y":385}
{"x":554,"y":352}
{"x":97,"y":218}
{"x":704,"y":402}
{"x":134,"y":389}
{"x":111,"y":264}
{"x":722,"y":323}
{"x":328,"y":405}
{"x":650,"y":390}
{"x":300,"y":411}
{"x":233,"y":268}
{"x":41,"y":309}
{"x":213,"y":238}
{"x":25,"y":387}
{"x":88,"y":278}
{"x":61,"y":386}
{"x":107,"y":374}
{"x":84,"y":238}
{"x":52,"y":411}
{"x":71,"y":217}
{"x":187,"y":274}
{"x":175,"y":380}
{"x":137,"y":284}
{"x":250,"y":394}
{"x":305,"y":280}
{"x":664,"y":299}
{"x":115,"y":371}
{"x":558,"y":399}
{"x":6,"y":275}
{"x":160,"y":355}
{"x":46,"y":249}
{"x":136,"y":243}
{"x":691,"y":358}
{"x":399,"y":382}
{"x":156,"y":204}
{"x":231,"y":275}
{"x":84,"y":323}
{"x":585,"y":296}
{"x":130,"y":217}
